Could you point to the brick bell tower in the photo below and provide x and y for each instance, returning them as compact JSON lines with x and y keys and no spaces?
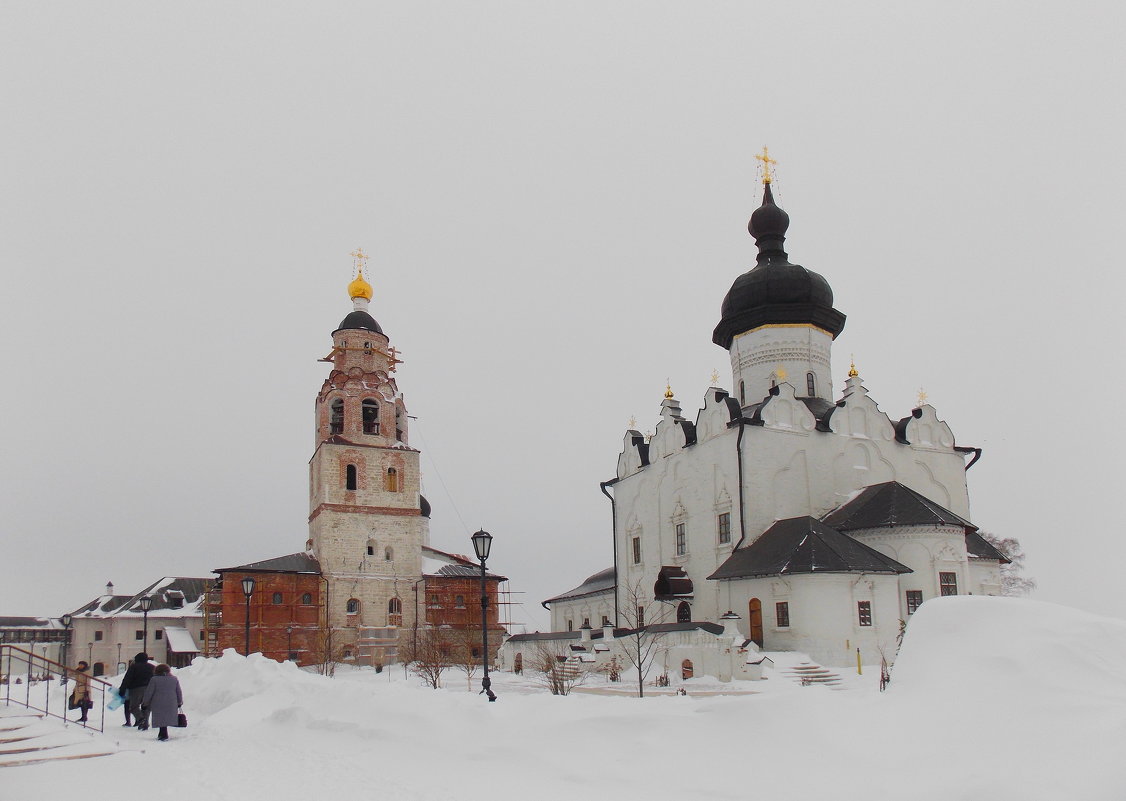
{"x":366,"y":524}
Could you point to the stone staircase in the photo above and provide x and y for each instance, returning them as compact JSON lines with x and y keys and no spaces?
{"x":29,"y":738}
{"x":808,"y":673}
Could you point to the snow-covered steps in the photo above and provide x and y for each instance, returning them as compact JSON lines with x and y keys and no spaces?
{"x":807,"y":673}
{"x":27,"y":738}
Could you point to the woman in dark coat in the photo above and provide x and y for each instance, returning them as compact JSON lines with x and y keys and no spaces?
{"x":163,"y":699}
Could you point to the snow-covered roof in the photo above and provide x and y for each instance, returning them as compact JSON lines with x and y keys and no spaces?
{"x":180,"y":640}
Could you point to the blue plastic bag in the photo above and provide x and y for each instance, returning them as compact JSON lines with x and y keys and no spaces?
{"x":118,"y":698}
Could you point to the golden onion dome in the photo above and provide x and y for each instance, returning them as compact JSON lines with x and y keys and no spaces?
{"x":359,"y":288}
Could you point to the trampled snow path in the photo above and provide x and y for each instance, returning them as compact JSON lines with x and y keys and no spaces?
{"x":991,"y":699}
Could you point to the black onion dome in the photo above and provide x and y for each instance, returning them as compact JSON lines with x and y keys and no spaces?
{"x":775,"y":291}
{"x":360,"y":320}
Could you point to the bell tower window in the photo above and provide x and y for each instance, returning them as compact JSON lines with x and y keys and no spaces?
{"x":392,"y":480}
{"x":742,"y":394}
{"x":336,"y":420}
{"x":350,"y":477}
{"x":371,"y":417}
{"x":810,"y":385}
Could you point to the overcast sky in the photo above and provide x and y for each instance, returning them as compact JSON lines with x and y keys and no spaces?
{"x":554,"y":197}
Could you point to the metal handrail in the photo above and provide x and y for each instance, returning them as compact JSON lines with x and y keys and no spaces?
{"x":36,"y":674}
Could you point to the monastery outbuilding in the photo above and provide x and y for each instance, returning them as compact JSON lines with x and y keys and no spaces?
{"x":817,"y":521}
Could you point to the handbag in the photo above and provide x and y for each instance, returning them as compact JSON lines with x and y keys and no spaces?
{"x":181,"y":721}
{"x":71,"y":703}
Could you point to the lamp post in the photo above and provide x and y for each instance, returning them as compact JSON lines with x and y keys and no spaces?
{"x":482,"y":543}
{"x":289,"y":643}
{"x":66,"y":620}
{"x":247,"y":590}
{"x":146,"y":604}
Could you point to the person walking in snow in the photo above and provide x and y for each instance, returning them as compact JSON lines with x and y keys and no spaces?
{"x":163,"y":699}
{"x":80,"y":698}
{"x":136,"y":679}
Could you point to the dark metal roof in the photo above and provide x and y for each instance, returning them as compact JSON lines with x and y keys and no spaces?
{"x":712,"y":628}
{"x":25,"y":623}
{"x":979,"y":547}
{"x":602,"y":581}
{"x":804,"y":545}
{"x":547,"y":635}
{"x":423,"y":506}
{"x":672,"y":582}
{"x":359,"y":320}
{"x":775,"y":291}
{"x":461,"y":571}
{"x":299,"y":562}
{"x":891,"y":504}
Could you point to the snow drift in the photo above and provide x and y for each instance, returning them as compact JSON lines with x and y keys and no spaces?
{"x":991,"y":699}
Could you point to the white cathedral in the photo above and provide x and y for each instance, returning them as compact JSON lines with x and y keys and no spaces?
{"x":812,"y":523}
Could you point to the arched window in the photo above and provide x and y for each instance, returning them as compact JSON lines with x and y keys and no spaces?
{"x":400,"y":424}
{"x":742,"y":394}
{"x":307,"y":599}
{"x":392,"y":482}
{"x":371,"y":550}
{"x":810,"y":385}
{"x":353,"y":606}
{"x":683,"y":612}
{"x":686,"y":669}
{"x":371,"y":416}
{"x":336,"y":421}
{"x":388,"y":554}
{"x":99,"y":668}
{"x":276,"y":598}
{"x":350,"y":478}
{"x":459,"y":601}
{"x":394,"y":606}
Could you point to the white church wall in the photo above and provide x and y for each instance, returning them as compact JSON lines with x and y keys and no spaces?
{"x":776,"y":353}
{"x":591,"y":607}
{"x":824,"y":619}
{"x":928,"y":551}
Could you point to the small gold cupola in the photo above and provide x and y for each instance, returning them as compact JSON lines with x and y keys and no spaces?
{"x":359,"y":288}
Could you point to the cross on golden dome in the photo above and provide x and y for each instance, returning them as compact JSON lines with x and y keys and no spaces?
{"x":766,"y":160}
{"x":361,"y":259}
{"x":668,"y":389}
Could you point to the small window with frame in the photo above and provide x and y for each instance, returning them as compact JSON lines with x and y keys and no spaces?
{"x":782,"y":614}
{"x":864,"y":613}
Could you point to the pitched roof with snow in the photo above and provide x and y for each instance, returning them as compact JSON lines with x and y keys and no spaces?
{"x":891,"y":504}
{"x":602,"y":581}
{"x":804,"y":545}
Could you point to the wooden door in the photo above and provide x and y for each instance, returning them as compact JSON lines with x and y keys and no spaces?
{"x":755,"y":619}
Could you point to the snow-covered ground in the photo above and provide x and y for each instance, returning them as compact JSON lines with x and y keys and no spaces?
{"x":991,"y":698}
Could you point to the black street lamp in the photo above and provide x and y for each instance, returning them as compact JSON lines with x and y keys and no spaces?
{"x":66,"y":621}
{"x":146,"y":604}
{"x":247,"y":590}
{"x":482,"y":543}
{"x":289,"y":643}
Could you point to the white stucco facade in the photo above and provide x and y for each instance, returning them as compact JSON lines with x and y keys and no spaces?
{"x":782,"y":445}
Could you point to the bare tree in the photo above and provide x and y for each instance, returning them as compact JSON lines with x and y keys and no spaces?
{"x":432,"y":656}
{"x":557,"y":670}
{"x":642,"y":644}
{"x":1013,"y":582}
{"x":465,"y":653}
{"x":326,"y":650}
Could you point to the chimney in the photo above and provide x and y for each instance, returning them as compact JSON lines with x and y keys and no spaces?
{"x":584,"y":633}
{"x":109,"y":588}
{"x":608,"y":633}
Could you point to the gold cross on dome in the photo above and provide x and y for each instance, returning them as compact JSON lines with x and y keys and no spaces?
{"x":361,"y":259}
{"x":766,"y":160}
{"x":922,"y":396}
